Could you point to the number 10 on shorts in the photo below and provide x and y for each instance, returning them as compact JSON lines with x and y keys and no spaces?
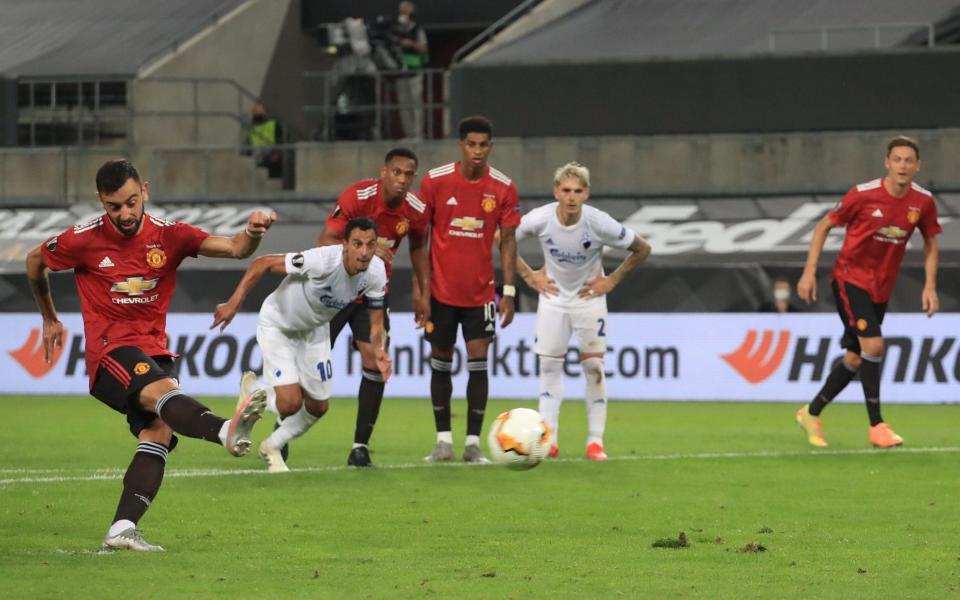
{"x":325,"y":369}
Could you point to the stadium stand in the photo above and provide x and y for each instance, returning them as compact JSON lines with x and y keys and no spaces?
{"x":180,"y":98}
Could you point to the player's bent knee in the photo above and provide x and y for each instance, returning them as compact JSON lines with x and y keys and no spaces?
{"x":853,"y":361}
{"x":289,"y":399}
{"x":154,"y":391}
{"x":317,"y":408}
{"x":158,"y":432}
{"x":871,"y":346}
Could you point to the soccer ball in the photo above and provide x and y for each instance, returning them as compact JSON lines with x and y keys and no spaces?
{"x":519,"y":438}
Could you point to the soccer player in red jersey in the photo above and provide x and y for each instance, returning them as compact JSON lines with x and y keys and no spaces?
{"x":399,"y":213}
{"x":125,"y":265}
{"x":880,"y":216}
{"x":467,"y":201}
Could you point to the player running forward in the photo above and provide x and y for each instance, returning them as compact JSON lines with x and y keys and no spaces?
{"x":293,"y":329}
{"x":880,"y":217}
{"x":573,"y":292}
{"x":399,"y":213}
{"x":125,"y":265}
{"x":466,"y":201}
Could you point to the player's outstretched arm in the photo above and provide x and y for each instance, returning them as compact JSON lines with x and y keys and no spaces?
{"x":378,"y":337}
{"x":420,"y":259}
{"x":244,"y":243}
{"x":40,"y":286}
{"x":508,"y":262}
{"x":639,"y":251}
{"x":931,"y":256}
{"x":226,"y":311}
{"x":807,"y":286}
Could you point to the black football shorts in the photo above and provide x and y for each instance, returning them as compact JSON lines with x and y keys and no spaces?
{"x":861,"y":316}
{"x":476,"y":321}
{"x":123,"y":372}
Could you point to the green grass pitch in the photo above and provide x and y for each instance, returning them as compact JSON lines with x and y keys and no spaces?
{"x":763,"y":514}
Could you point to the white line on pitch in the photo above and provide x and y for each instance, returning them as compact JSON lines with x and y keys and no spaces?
{"x":113,"y":474}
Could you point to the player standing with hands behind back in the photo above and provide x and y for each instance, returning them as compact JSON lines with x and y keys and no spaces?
{"x":466,"y":201}
{"x":880,"y":217}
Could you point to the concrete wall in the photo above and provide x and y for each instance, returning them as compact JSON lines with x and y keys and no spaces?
{"x":63,"y":176}
{"x":638,"y":165}
{"x":672,"y":165}
{"x":240,"y":47}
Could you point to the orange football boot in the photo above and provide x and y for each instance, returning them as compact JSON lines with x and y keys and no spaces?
{"x":595,"y":452}
{"x":811,"y":425}
{"x":881,"y":436}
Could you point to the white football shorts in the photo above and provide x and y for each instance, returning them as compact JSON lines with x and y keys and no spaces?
{"x":297,"y":357}
{"x":555,"y":325}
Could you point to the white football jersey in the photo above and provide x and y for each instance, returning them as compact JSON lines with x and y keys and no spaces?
{"x":317,"y":287}
{"x":573,"y":254}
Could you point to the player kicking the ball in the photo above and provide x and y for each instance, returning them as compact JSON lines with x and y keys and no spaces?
{"x":293,"y":329}
{"x":125,"y":265}
{"x":573,"y":292}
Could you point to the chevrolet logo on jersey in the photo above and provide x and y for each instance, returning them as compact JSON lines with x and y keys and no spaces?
{"x":467,"y":223}
{"x":385,"y":242}
{"x":891,"y":234}
{"x":134,"y":286}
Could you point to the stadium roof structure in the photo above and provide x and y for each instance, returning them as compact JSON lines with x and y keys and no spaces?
{"x":611,"y":30}
{"x":64,"y":38}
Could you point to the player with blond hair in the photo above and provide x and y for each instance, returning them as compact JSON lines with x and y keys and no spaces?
{"x":573,"y":289}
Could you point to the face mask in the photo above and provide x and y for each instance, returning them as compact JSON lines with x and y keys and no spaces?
{"x":403,"y":19}
{"x":781,"y":294}
{"x":258,"y":119}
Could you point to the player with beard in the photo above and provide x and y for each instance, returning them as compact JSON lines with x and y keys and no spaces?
{"x":125,"y":264}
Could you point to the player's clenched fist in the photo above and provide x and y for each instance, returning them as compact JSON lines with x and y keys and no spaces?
{"x":259,"y":222}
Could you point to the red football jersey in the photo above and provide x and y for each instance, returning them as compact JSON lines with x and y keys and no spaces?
{"x":878,"y":227}
{"x":363,"y":199}
{"x":125,"y":284}
{"x":464,"y":215}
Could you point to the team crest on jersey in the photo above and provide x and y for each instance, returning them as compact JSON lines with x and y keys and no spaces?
{"x":403,"y":227}
{"x":156,"y":258}
{"x":488,"y":204}
{"x":140,"y":368}
{"x":913,"y":215}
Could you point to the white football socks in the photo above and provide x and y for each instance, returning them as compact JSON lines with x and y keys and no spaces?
{"x":120,"y":526}
{"x":271,"y":399}
{"x":224,"y":430}
{"x":551,"y":391}
{"x":472,"y":440}
{"x":292,"y":427}
{"x":445,"y":436}
{"x":596,"y":399}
